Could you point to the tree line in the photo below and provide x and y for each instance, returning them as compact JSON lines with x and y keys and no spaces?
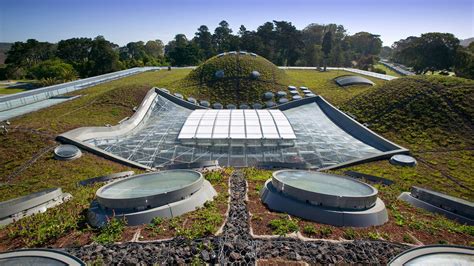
{"x":278,"y":41}
{"x":433,"y":52}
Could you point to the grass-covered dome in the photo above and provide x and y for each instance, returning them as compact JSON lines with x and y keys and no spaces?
{"x":235,"y":78}
{"x":420,"y":108}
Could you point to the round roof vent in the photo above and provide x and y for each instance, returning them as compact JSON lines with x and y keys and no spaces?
{"x":192,"y":100}
{"x":255,"y":74}
{"x":281,"y":94}
{"x":270,"y":104}
{"x":244,"y":106}
{"x":282,"y":100}
{"x":296,"y":97}
{"x":204,"y":103}
{"x":219,"y":74}
{"x":310,"y":95}
{"x":303,"y":88}
{"x":67,"y":152}
{"x":257,"y":106}
{"x":217,"y":106}
{"x":231,"y":106}
{"x":268,"y":95}
{"x":403,"y":160}
{"x":294,"y":93}
{"x":291,"y":88}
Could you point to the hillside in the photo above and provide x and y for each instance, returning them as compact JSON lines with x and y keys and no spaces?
{"x":236,"y":85}
{"x":466,"y":42}
{"x":420,"y":110}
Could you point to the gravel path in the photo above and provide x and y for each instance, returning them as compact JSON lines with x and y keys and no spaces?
{"x":235,"y":245}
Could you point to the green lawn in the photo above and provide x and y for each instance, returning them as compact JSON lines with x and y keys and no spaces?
{"x":388,"y":70}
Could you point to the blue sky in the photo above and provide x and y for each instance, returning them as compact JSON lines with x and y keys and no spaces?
{"x":122,"y":21}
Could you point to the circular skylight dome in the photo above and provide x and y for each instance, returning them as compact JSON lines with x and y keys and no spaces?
{"x":281,"y":94}
{"x":403,"y":160}
{"x":270,"y":104}
{"x":296,"y":97}
{"x":435,"y":255}
{"x":39,"y":257}
{"x":255,"y":74}
{"x":282,"y":100}
{"x":257,"y":106}
{"x":141,"y":198}
{"x":150,"y":190}
{"x":324,"y":189}
{"x":67,"y":152}
{"x":219,"y":74}
{"x":244,"y":106}
{"x":294,"y":93}
{"x":231,"y":106}
{"x":192,"y":100}
{"x":217,"y":106}
{"x":268,"y":95}
{"x":291,"y":88}
{"x":204,"y":103}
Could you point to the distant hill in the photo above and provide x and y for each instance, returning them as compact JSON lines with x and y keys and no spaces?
{"x":437,"y":109}
{"x":4,"y":47}
{"x":466,"y":42}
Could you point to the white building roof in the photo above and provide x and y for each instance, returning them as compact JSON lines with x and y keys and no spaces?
{"x":237,"y":124}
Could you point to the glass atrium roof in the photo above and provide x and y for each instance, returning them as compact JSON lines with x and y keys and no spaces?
{"x":236,"y":124}
{"x":158,"y":141}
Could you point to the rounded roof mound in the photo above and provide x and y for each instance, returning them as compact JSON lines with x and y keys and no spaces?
{"x":246,"y":77}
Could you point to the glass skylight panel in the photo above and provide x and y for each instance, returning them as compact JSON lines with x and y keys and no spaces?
{"x":236,"y":124}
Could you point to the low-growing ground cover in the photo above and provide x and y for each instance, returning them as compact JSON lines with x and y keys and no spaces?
{"x":406,"y":224}
{"x":31,"y":140}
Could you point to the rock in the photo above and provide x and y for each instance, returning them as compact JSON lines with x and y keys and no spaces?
{"x":205,"y":255}
{"x":235,"y":256}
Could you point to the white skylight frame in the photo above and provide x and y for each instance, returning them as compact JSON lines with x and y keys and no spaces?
{"x":237,"y":124}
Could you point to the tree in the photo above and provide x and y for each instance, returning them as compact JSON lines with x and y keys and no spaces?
{"x":327,"y":47}
{"x":222,"y":37}
{"x":103,"y":57}
{"x":464,"y":63}
{"x":203,"y":39}
{"x":429,"y":52}
{"x":288,"y":43}
{"x":22,"y":56}
{"x":75,"y":51}
{"x":54,"y":69}
{"x":182,"y":52}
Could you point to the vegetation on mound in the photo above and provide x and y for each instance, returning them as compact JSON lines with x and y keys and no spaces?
{"x":237,"y":85}
{"x":420,"y":109}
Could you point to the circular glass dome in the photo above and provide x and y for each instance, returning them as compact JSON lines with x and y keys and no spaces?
{"x":403,"y":160}
{"x":435,"y":255}
{"x":325,"y":189}
{"x":38,"y":257}
{"x":150,"y":190}
{"x":67,"y":152}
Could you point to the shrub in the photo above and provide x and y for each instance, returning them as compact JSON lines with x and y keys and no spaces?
{"x":283,"y":226}
{"x":111,"y":232}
